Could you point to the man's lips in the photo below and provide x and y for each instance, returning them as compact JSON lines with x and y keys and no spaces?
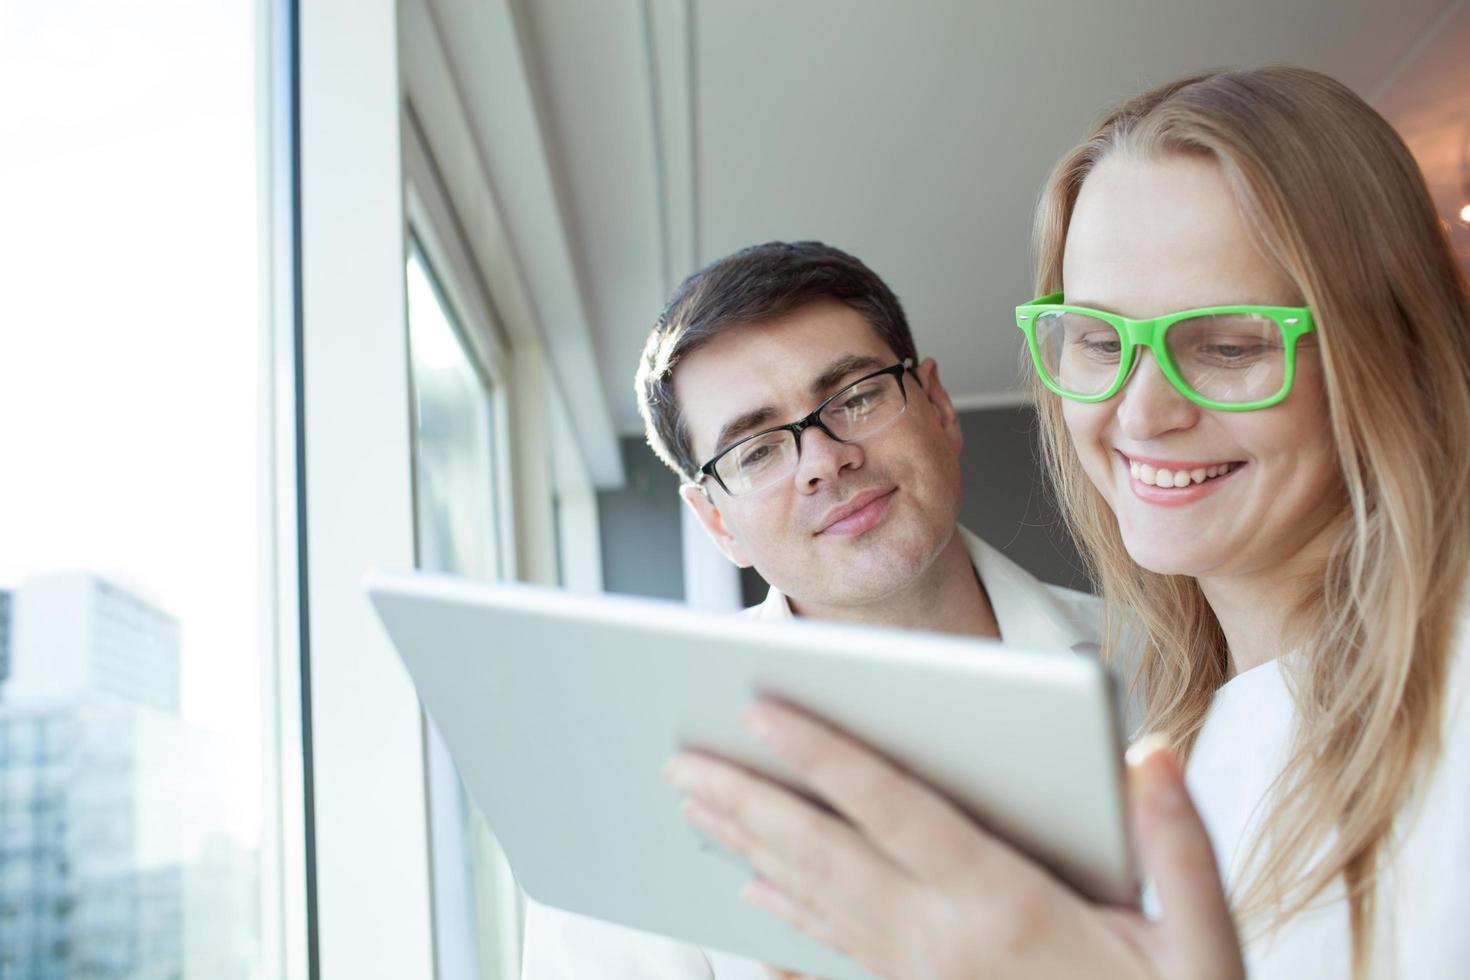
{"x":857,"y":514}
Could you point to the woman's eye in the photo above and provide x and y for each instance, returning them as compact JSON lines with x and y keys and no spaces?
{"x":1238,"y":350}
{"x":1103,"y":345}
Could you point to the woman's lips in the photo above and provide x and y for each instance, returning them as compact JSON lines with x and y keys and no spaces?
{"x":855,"y":522}
{"x":1178,"y":496}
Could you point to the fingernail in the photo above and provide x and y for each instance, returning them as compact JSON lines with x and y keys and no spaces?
{"x":683,"y":773}
{"x":757,"y":721}
{"x":1146,"y":746}
{"x":700,"y":816}
{"x":1153,"y":763}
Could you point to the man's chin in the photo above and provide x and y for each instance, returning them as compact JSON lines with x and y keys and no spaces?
{"x":883,"y":561}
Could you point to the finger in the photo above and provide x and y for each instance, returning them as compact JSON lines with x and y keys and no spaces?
{"x":776,"y":973}
{"x":915,"y":827}
{"x":811,"y":856}
{"x":764,"y":895}
{"x":1198,"y":932}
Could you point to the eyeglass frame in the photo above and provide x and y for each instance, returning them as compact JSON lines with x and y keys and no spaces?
{"x":1294,"y":322}
{"x":812,"y":420}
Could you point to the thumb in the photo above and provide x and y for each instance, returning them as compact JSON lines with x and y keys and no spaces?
{"x":1199,"y":935}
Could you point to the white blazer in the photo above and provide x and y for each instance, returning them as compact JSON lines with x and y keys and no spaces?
{"x":563,"y":946}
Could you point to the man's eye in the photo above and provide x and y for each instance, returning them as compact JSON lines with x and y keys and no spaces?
{"x":755,"y":455}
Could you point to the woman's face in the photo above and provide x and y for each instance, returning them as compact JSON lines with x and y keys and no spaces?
{"x":1155,"y":236}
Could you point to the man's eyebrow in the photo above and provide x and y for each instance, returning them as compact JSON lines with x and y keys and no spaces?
{"x":841,"y":368}
{"x":741,"y":424}
{"x":748,"y":422}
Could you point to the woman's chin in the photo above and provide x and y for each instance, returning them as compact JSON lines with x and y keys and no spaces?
{"x":1157,"y":557}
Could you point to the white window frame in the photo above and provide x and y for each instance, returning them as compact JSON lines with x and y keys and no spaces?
{"x":373,"y":915}
{"x":362,"y":63}
{"x":456,"y":841}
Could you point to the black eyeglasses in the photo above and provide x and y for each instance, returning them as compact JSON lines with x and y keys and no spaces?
{"x":863,"y":408}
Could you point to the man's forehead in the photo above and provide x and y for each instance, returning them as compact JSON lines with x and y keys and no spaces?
{"x":770,"y":365}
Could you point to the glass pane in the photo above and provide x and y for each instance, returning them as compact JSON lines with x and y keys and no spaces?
{"x":131,"y":639}
{"x":475,"y":901}
{"x":1080,"y":353}
{"x":454,"y":469}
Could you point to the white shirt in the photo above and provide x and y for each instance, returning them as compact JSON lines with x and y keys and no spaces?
{"x":563,"y":946}
{"x":1423,"y":899}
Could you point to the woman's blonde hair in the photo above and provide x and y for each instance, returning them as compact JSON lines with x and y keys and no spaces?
{"x":1333,"y":196}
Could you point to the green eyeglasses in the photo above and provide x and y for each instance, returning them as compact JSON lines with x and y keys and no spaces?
{"x":1233,"y":358}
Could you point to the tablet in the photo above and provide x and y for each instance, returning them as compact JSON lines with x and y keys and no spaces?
{"x":560,"y":712}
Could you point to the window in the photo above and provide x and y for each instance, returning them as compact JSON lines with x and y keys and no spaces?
{"x":454,"y":442}
{"x":458,"y":520}
{"x":136,"y":658}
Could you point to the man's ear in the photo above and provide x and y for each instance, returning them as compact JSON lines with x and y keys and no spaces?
{"x":713,"y":523}
{"x":940,"y":404}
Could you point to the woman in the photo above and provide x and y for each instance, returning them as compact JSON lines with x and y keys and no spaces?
{"x":1278,"y":494}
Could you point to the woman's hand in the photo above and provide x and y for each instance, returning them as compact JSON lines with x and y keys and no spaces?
{"x":911,"y":888}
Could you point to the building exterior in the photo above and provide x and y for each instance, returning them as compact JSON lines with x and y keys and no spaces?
{"x":79,"y":636}
{"x":109,"y":806}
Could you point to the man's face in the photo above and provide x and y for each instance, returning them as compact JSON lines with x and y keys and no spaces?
{"x":801,"y":534}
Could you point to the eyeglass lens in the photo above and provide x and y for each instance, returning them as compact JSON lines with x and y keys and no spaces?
{"x":856,"y":412}
{"x":1231,"y":358}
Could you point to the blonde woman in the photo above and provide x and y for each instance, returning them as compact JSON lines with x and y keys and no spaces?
{"x":1252,"y":356}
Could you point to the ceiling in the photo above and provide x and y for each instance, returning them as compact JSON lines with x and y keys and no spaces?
{"x":915,"y":135}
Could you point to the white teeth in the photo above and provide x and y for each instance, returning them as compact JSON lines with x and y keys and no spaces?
{"x":1176,"y":479}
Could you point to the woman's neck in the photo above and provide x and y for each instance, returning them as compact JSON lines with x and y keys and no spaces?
{"x":1258,"y":611}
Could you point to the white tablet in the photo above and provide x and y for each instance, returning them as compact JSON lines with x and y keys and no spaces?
{"x":560,"y":712}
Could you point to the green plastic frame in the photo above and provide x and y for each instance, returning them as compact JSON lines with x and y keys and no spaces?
{"x":1294,"y":321}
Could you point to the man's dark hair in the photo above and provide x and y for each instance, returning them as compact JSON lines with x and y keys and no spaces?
{"x":754,"y":285}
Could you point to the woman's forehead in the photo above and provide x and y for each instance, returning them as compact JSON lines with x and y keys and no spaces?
{"x":1152,"y":235}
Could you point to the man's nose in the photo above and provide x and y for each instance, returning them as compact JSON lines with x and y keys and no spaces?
{"x":822,"y":457}
{"x":1150,"y":405}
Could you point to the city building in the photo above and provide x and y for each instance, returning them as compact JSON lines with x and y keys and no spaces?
{"x":109,"y":805}
{"x":77,"y":635}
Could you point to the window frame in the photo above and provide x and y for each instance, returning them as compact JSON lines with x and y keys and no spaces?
{"x":286,"y":890}
{"x":430,"y":226}
{"x":367,"y":175}
{"x":367,"y":790}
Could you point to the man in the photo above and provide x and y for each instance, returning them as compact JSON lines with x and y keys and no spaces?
{"x":783,"y":386}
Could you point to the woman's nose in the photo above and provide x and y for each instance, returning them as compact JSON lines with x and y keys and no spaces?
{"x":1150,"y":405}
